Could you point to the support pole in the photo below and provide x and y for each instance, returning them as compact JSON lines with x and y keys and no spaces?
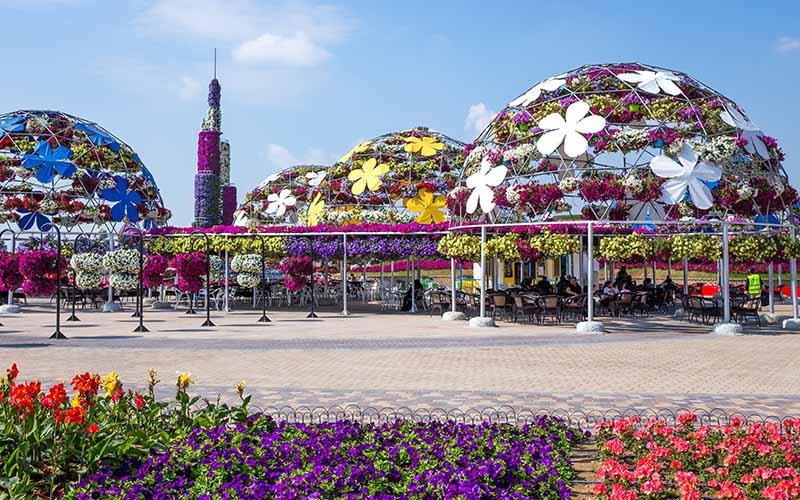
{"x":726,"y":289}
{"x":313,"y":313}
{"x":227,"y":277}
{"x":685,"y":277}
{"x":344,"y":275}
{"x":57,"y":334}
{"x":391,"y":275}
{"x":590,"y":274}
{"x":771,"y":285}
{"x":413,"y":287}
{"x":483,"y":272}
{"x":793,"y":270}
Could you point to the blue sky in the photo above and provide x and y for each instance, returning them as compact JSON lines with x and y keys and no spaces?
{"x":303,"y":81}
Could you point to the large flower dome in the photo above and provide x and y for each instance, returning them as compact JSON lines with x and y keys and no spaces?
{"x":394,"y":178}
{"x":287,"y":197}
{"x":57,"y":168}
{"x":622,"y":142}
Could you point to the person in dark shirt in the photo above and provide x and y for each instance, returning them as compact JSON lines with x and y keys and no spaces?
{"x":622,"y":276}
{"x":573,"y":288}
{"x":544,"y":287}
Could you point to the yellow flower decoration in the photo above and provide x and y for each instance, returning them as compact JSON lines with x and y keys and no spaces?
{"x":315,"y":209}
{"x":426,"y":146}
{"x":357,"y":149}
{"x":76,"y":400}
{"x":184,"y":381}
{"x":368,"y":176}
{"x":428,"y":205}
{"x":110,"y":383}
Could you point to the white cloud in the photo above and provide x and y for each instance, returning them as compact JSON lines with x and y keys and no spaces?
{"x":788,"y":44}
{"x":295,"y":50}
{"x":280,"y":157}
{"x":188,"y":88}
{"x":478,"y":118}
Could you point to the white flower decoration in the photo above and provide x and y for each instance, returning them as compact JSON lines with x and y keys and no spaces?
{"x":569,"y":131}
{"x":686,"y":173}
{"x":535,"y":92}
{"x":269,"y":180}
{"x":278,"y":203}
{"x":481,"y":184}
{"x":750,"y":132}
{"x":316,"y":178}
{"x":653,"y":81}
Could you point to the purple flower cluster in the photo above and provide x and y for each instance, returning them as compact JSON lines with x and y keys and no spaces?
{"x":191,"y":268}
{"x":208,"y":151}
{"x":228,"y":204}
{"x":10,"y":276}
{"x":262,"y":459}
{"x":214,"y":91}
{"x":390,"y":247}
{"x":206,"y":198}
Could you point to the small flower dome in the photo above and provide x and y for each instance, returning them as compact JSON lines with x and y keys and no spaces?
{"x":394,"y":178}
{"x":291,"y":196}
{"x":57,"y":168}
{"x":621,"y":142}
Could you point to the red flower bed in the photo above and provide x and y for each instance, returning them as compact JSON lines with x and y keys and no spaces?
{"x":654,"y":460}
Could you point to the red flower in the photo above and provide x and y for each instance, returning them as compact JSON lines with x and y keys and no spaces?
{"x":75,"y":415}
{"x":86,"y":383}
{"x":23,"y":395}
{"x":93,"y":428}
{"x":138,"y":400}
{"x":12,"y":372}
{"x":55,"y":396}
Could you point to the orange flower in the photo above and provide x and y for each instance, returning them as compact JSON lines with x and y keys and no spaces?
{"x":86,"y":383}
{"x":75,"y":415}
{"x":23,"y":395}
{"x":55,"y":396}
{"x":12,"y":372}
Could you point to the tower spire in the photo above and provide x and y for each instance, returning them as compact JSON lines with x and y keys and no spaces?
{"x":215,"y":63}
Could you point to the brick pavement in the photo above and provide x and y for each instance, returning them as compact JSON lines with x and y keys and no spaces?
{"x":394,"y":360}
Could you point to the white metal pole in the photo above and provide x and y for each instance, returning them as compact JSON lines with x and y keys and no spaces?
{"x":413,"y":288}
{"x":227,"y":272}
{"x":483,"y":272}
{"x":391,"y":277}
{"x":726,"y":289}
{"x":453,"y":284}
{"x":590,"y":274}
{"x":581,"y":274}
{"x":793,"y":270}
{"x":685,"y":277}
{"x":771,"y":284}
{"x":13,"y":249}
{"x":344,"y":275}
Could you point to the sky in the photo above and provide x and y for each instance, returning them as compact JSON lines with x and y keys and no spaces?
{"x":304,"y":81}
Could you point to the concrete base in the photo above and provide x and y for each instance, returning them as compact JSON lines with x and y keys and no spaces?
{"x":590,"y":327}
{"x":161,"y":305}
{"x":10,"y":309}
{"x":771,"y":318}
{"x":110,"y":307}
{"x":479,"y":322}
{"x":454,"y":316}
{"x":728,"y":329}
{"x":679,"y":313}
{"x":791,"y":324}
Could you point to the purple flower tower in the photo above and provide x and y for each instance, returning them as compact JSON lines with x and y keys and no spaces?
{"x":214,"y":196}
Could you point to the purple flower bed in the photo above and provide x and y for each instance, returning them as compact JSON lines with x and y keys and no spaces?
{"x":262,"y":459}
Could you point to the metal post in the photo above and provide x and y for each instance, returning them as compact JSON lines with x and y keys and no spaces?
{"x":208,"y":321}
{"x":453,"y":284}
{"x":10,"y":300}
{"x":726,"y":289}
{"x":581,"y":274}
{"x":226,"y":305}
{"x":264,"y":284}
{"x":364,"y":280}
{"x":483,"y":272}
{"x":771,"y":285}
{"x":391,"y":277}
{"x":380,"y":286}
{"x":685,"y":277}
{"x":140,"y":292}
{"x":57,"y":334}
{"x":793,"y":271}
{"x":413,"y":288}
{"x":590,"y":274}
{"x":344,"y":275}
{"x":312,"y":314}
{"x":780,"y":275}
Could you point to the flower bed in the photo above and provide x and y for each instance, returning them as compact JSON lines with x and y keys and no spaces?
{"x":266,"y":459}
{"x":654,"y":460}
{"x":100,"y":440}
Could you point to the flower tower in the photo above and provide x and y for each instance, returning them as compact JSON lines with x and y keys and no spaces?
{"x":214,"y":196}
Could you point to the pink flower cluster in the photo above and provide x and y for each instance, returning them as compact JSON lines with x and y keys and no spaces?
{"x":10,"y":276}
{"x":39,"y":269}
{"x":297,"y":271}
{"x":604,"y":188}
{"x":191,"y":268}
{"x":154,"y":268}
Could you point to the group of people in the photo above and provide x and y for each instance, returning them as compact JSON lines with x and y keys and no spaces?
{"x":567,"y":286}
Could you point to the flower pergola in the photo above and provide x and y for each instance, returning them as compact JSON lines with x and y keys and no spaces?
{"x":292,"y":196}
{"x":622,"y":142}
{"x":57,"y":168}
{"x":394,"y":178}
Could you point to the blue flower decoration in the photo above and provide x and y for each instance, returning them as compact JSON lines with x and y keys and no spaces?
{"x":98,"y":137}
{"x":765,"y":219}
{"x":13,"y":124}
{"x":30,"y":219}
{"x":126,"y":201}
{"x":48,"y":161}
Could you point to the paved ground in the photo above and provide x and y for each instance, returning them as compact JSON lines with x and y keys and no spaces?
{"x":397,"y":360}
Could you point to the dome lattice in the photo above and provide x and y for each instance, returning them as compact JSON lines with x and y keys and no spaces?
{"x":622,"y":142}
{"x":283,"y":198}
{"x":57,"y":168}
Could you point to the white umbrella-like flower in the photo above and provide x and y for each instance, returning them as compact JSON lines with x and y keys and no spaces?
{"x":278,"y":203}
{"x":316,"y":178}
{"x":686,"y":173}
{"x":481,"y":184}
{"x":653,"y":81}
{"x":570,"y":130}
{"x":750,"y":132}
{"x":535,"y":92}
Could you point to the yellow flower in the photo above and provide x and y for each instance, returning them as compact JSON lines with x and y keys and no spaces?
{"x":110,"y":383}
{"x":184,"y":381}
{"x":428,"y":205}
{"x":427,"y":146}
{"x":315,"y":209}
{"x":76,"y":400}
{"x":356,"y":149}
{"x":368,"y":176}
{"x":240,"y":389}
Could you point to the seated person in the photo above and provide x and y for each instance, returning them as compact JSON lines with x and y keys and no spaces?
{"x":561,"y":286}
{"x":526,"y":285}
{"x":544,"y":287}
{"x":668,"y":284}
{"x":573,"y":288}
{"x":609,"y":290}
{"x":648,"y":284}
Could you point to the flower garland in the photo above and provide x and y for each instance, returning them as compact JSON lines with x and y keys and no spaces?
{"x":249,"y":269}
{"x":753,"y":248}
{"x":88,"y":269}
{"x":296,"y":272}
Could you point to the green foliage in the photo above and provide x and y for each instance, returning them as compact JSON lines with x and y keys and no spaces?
{"x":753,"y":248}
{"x":503,"y":247}
{"x":461,"y":246}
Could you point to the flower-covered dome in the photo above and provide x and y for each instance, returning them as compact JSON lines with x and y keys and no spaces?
{"x":288,"y":197}
{"x":622,"y":142}
{"x":394,"y":178}
{"x":57,"y":168}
